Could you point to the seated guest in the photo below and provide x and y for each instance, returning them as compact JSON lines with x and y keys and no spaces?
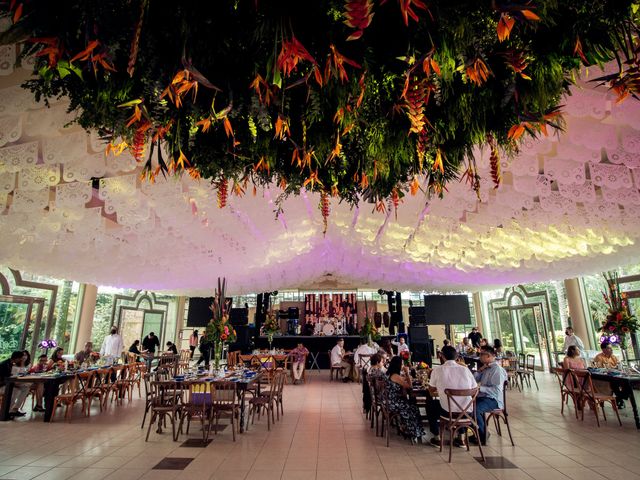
{"x":606,"y":358}
{"x":446,"y":342}
{"x":135,"y":348}
{"x":26,"y":363}
{"x":491,"y":382}
{"x":497,"y":346}
{"x":39,"y":367}
{"x":573,"y":359}
{"x":84,"y":355}
{"x":483,"y":343}
{"x":363,"y":349}
{"x":401,"y":344}
{"x":338,"y":360}
{"x":20,"y":390}
{"x":448,"y":375}
{"x":299,"y":355}
{"x":172,"y":348}
{"x":398,"y":384}
{"x":463,"y":346}
{"x":56,"y":359}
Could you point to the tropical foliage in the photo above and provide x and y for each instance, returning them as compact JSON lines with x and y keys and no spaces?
{"x":219,"y":330}
{"x":349,"y":98}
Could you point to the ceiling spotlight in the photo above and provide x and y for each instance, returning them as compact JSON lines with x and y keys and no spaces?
{"x":382,"y":292}
{"x":274,"y":293}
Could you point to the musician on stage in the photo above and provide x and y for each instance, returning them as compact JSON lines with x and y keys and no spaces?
{"x":338,"y":360}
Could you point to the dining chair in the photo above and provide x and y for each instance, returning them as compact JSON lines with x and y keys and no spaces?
{"x":590,"y":396}
{"x":463,"y":419}
{"x":265,"y":402}
{"x":164,"y":405}
{"x":280,"y":378}
{"x":569,"y":388}
{"x":387,"y":414}
{"x":198,"y":404}
{"x":338,"y":370}
{"x":224,"y":400}
{"x":500,"y":414}
{"x":68,"y":397}
{"x":364,"y":362}
{"x":183,"y":360}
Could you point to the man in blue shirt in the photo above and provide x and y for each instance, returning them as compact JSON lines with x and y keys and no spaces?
{"x":491,"y":378}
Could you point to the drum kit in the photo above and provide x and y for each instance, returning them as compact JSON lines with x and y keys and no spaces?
{"x":330,"y":326}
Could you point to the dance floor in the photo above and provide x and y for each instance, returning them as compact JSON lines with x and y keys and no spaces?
{"x":323,"y":435}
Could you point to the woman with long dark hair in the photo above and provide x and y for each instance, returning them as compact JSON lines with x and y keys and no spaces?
{"x":193,"y":342}
{"x":56,"y":358}
{"x":408,"y":415}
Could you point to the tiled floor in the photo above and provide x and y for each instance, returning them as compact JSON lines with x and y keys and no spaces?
{"x":324,"y":436}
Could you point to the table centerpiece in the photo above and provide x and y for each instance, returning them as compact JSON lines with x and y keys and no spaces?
{"x":619,"y":323}
{"x":219,"y":331}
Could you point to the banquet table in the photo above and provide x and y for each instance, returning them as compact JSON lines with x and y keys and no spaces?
{"x":625,"y":382}
{"x":51,"y":385}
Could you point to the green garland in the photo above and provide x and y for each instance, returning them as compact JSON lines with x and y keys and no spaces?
{"x":353,"y":99}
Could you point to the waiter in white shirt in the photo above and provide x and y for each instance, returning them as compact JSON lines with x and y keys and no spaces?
{"x":112,"y":346}
{"x":448,"y":375}
{"x":571,"y":339}
{"x":338,"y":360}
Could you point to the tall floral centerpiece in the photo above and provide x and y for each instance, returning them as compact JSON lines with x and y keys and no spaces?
{"x":219,"y":331}
{"x":619,"y":322}
{"x":271,"y":327}
{"x":368,"y":329}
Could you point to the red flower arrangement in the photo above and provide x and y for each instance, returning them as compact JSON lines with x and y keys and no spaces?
{"x":406,"y":357}
{"x":618,"y":322}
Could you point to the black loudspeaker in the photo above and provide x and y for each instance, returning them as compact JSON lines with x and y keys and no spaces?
{"x":418,"y":334}
{"x":422,"y":351}
{"x":377,"y":319}
{"x":417,"y":316}
{"x":243,"y":340}
{"x":239,"y":316}
{"x":294,"y":313}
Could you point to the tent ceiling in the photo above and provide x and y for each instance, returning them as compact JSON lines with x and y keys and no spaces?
{"x":568,"y":205}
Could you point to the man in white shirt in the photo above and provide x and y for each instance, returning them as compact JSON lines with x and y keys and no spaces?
{"x":401,"y":344}
{"x":463,"y":346}
{"x":112,"y":346}
{"x":337,"y":359}
{"x":448,"y":375}
{"x":571,"y":339}
{"x":363,"y":349}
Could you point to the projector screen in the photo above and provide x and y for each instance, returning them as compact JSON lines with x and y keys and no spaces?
{"x":199,"y":311}
{"x":447,"y":309}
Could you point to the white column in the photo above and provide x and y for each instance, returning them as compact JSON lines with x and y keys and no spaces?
{"x":87,"y":310}
{"x":577,"y":312}
{"x":477,"y":307}
{"x":180,"y":323}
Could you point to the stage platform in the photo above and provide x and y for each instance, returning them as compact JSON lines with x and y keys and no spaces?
{"x":318,"y":345}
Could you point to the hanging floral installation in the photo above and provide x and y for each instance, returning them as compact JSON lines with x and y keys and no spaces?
{"x":352,"y":99}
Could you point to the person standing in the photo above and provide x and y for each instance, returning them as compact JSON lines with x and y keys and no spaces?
{"x":474,"y":337}
{"x":571,"y":339}
{"x":299,"y":355}
{"x":491,"y":381}
{"x":401,"y":344}
{"x":150,"y":342}
{"x":193,"y":343}
{"x":112,"y":346}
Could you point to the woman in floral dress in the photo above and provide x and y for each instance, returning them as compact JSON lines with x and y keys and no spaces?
{"x":408,"y":415}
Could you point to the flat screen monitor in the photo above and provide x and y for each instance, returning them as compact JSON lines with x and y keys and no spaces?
{"x":447,"y":309}
{"x":199,"y":311}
